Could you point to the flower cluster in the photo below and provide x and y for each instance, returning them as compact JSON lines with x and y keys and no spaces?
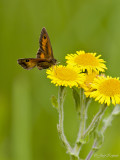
{"x":85,"y":70}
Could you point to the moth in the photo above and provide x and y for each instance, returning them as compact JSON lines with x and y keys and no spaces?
{"x":45,"y":58}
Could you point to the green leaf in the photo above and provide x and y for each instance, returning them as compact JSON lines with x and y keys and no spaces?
{"x":74,"y":157}
{"x":76,"y":97}
{"x":93,"y":129}
{"x":99,"y":140}
{"x":107,"y":121}
{"x":54,"y":102}
{"x":84,"y":140}
{"x":116,"y":110}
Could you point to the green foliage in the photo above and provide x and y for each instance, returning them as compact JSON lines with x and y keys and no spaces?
{"x":116,"y":110}
{"x":99,"y":139}
{"x":84,"y":140}
{"x":76,"y":97}
{"x":54,"y":102}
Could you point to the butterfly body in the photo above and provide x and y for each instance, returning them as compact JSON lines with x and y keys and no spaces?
{"x":45,"y":58}
{"x":46,"y":64}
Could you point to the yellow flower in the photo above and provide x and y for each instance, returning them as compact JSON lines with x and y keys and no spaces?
{"x":65,"y":76}
{"x":105,"y":90}
{"x":89,"y":78}
{"x":86,"y":61}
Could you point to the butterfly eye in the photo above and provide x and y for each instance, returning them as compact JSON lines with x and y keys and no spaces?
{"x":27,"y":60}
{"x":44,"y":37}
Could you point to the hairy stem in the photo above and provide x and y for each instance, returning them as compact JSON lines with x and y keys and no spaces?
{"x":95,"y":119}
{"x":83,"y":116}
{"x":61,"y":96}
{"x":91,"y":151}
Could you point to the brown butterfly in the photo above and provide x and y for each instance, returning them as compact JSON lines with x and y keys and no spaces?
{"x":45,"y":58}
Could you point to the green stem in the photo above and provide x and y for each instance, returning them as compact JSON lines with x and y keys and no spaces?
{"x":91,"y":151}
{"x":95,"y":119}
{"x":61,"y":96}
{"x":108,"y":122}
{"x":105,"y":126}
{"x":83,"y":116}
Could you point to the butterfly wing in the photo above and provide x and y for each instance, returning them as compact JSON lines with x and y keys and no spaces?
{"x":45,"y":50}
{"x":29,"y":63}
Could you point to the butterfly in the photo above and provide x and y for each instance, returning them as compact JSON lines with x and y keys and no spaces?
{"x":45,"y":58}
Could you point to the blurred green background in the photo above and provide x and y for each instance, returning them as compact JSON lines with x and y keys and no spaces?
{"x":28,"y":123}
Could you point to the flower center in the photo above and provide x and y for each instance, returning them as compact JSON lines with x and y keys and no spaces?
{"x":65,"y":74}
{"x":110,"y":87}
{"x":86,"y":60}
